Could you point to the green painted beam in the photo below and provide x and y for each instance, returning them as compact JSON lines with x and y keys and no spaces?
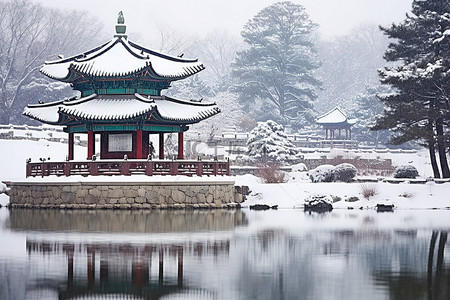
{"x":125,"y":128}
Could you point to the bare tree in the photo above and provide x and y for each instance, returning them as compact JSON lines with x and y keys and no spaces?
{"x":218,"y":51}
{"x":30,"y":34}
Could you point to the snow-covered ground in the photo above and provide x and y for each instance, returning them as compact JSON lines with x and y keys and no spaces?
{"x":293,"y":193}
{"x":13,"y":154}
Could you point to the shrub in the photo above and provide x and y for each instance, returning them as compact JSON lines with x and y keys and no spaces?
{"x":323,"y":173}
{"x":368,"y":190}
{"x":344,"y":172}
{"x":271,"y":173}
{"x":406,"y":171}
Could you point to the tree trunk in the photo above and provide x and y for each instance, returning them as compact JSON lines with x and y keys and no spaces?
{"x":434,"y":164}
{"x":441,"y":148}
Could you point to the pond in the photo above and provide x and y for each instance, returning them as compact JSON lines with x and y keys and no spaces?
{"x":224,"y":254}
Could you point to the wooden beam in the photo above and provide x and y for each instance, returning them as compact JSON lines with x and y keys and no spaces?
{"x":70,"y":142}
{"x":139,"y":144}
{"x":161,"y":145}
{"x":180,"y":146}
{"x":91,"y":144}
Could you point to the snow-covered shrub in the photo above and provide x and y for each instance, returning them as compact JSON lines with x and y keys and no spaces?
{"x":271,"y":173}
{"x":323,"y":173}
{"x":344,"y":172}
{"x":3,"y":188}
{"x":405,"y":171}
{"x":299,"y":167}
{"x":268,"y":142}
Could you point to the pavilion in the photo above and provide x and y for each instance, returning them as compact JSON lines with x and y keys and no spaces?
{"x":336,"y":121}
{"x":120,"y":84}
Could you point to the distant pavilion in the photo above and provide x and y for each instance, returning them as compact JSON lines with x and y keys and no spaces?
{"x":120,"y":84}
{"x":334,"y":122}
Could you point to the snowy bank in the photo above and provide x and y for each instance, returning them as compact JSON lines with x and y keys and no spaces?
{"x":293,"y":194}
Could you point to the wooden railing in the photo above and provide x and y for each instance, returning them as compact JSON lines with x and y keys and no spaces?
{"x":129,"y":167}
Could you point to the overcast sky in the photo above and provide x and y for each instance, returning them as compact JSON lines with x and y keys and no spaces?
{"x":335,"y":17}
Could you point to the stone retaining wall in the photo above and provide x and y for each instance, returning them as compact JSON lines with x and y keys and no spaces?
{"x":126,"y":195}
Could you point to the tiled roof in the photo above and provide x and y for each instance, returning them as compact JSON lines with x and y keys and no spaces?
{"x":121,"y":107}
{"x":335,"y":116}
{"x":120,"y":57}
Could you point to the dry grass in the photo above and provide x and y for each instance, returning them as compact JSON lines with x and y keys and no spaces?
{"x":271,"y":173}
{"x":368,"y":190}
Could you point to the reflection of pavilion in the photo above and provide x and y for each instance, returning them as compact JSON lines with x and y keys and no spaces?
{"x":123,"y":269}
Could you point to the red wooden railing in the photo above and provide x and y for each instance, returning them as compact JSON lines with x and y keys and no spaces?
{"x":129,"y":167}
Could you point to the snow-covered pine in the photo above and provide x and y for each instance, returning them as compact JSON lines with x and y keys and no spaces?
{"x":367,"y":106}
{"x":421,"y":77}
{"x":268,"y":142}
{"x":275,"y":73}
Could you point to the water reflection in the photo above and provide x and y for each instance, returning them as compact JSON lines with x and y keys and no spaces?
{"x":118,"y":269}
{"x":139,"y":221}
{"x":224,"y":255}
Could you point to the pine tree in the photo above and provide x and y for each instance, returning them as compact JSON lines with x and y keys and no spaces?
{"x":275,"y":72}
{"x":420,"y":107}
{"x":367,"y":107}
{"x":268,"y":142}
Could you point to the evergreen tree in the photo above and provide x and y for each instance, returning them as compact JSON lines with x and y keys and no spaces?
{"x":275,"y":72}
{"x":268,"y":142}
{"x":420,"y":109}
{"x":367,"y":107}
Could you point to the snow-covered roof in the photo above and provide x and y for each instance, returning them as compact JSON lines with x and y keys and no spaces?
{"x":120,"y":57}
{"x":121,"y":107}
{"x":335,"y":116}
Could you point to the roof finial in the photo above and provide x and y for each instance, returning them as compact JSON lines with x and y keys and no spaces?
{"x":121,"y":28}
{"x":120,"y":18}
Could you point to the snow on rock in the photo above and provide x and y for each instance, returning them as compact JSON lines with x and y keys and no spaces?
{"x":323,"y":173}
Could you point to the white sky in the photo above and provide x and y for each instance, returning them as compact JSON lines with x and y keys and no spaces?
{"x":198,"y":17}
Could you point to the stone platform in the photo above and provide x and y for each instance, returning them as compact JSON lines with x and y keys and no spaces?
{"x":123,"y":194}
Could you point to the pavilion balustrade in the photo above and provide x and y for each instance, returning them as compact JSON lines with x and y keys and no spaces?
{"x":129,"y":167}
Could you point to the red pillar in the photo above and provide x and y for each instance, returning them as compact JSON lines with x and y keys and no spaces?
{"x":161,"y":145}
{"x":70,"y":156}
{"x":91,"y":144}
{"x":180,"y":146}
{"x":139,"y":144}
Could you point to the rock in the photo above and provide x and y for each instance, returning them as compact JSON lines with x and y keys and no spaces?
{"x":259,"y":207}
{"x":385,"y":208}
{"x":318,"y":206}
{"x":243,"y":190}
{"x":318,"y":203}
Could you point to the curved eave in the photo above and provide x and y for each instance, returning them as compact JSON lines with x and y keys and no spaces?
{"x":195,"y":119}
{"x":47,"y":113}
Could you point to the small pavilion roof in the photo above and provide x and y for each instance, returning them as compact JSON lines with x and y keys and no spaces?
{"x":116,"y":108}
{"x":335,"y":117}
{"x":120,"y":57}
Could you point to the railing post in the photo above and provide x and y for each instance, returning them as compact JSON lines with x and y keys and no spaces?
{"x":93,"y":168}
{"x":228,"y":167}
{"x":149,"y":168}
{"x":67,"y":168}
{"x":215,"y":167}
{"x":199,"y":165}
{"x":173,"y":167}
{"x":28,"y":169}
{"x":125,"y":168}
{"x":43,"y":169}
